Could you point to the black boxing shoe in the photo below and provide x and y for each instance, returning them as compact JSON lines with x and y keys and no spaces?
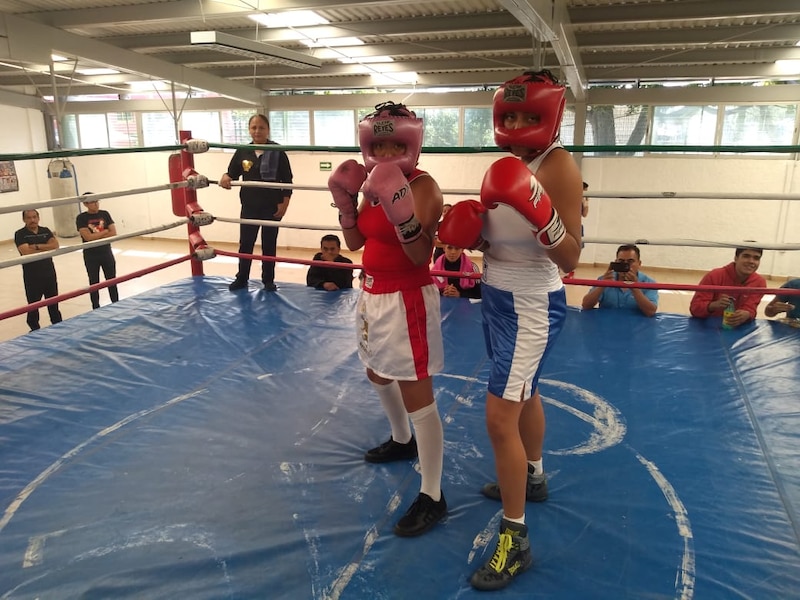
{"x":421,"y":516}
{"x":391,"y":451}
{"x":535,"y":488}
{"x":512,"y":556}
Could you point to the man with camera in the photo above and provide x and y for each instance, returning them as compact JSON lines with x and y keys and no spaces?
{"x":626,"y":269}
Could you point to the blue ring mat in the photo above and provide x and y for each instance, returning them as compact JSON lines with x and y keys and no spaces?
{"x":195,"y":443}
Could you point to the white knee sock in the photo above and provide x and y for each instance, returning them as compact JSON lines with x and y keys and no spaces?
{"x":392,"y":401}
{"x":430,"y":446}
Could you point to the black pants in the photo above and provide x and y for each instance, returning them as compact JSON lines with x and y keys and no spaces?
{"x":269,"y":246}
{"x":40,"y":285}
{"x":95,"y":261}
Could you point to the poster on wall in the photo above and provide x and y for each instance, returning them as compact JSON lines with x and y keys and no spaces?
{"x":8,"y":177}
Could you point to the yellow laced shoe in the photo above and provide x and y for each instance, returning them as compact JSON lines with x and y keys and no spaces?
{"x":511,"y":557}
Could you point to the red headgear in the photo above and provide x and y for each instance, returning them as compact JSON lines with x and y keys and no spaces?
{"x":391,"y":123}
{"x":533,"y":92}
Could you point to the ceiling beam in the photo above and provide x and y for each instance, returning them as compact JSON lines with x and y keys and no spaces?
{"x":700,"y":36}
{"x":548,"y":21}
{"x":33,"y":43}
{"x":372,"y":29}
{"x":665,"y":12}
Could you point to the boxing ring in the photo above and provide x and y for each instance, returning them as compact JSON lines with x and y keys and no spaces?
{"x":190,"y":442}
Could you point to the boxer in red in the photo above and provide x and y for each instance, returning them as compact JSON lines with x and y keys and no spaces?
{"x":398,"y":318}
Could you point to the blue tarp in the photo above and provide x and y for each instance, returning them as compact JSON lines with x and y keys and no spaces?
{"x":196,"y":443}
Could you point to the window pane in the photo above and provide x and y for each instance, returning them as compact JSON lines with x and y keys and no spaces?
{"x":567,"y":134}
{"x":203,"y":125}
{"x":478,"y":127}
{"x":94,"y":133}
{"x":235,"y":128}
{"x":290,"y":127}
{"x":758,"y":125}
{"x":684,"y":125}
{"x":69,"y":132}
{"x":619,"y":125}
{"x":441,"y":126}
{"x":122,"y":130}
{"x":158,"y":129}
{"x":334,"y":128}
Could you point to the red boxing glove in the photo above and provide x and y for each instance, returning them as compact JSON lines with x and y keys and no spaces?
{"x":387,"y":186}
{"x":462,"y":225}
{"x":509,"y":181}
{"x":344,"y":184}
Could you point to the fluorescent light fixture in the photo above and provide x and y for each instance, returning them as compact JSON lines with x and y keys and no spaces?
{"x":332,"y":42}
{"x":292,"y":18}
{"x":233,"y":44}
{"x":98,"y":71}
{"x":365,"y":60}
{"x":788,"y":67}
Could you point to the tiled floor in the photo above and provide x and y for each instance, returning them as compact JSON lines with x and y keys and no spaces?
{"x":136,"y":254}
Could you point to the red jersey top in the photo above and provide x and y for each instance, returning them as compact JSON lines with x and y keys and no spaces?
{"x":727,"y":276}
{"x":386,"y":265}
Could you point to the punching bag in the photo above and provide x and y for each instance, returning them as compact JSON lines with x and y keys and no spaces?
{"x":63,"y":184}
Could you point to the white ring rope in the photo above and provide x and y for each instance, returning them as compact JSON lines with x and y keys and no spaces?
{"x":588,"y":240}
{"x":75,"y":247}
{"x":336,"y":227}
{"x":692,"y":195}
{"x":75,"y":199}
{"x":591,"y":194}
{"x":692,"y":243}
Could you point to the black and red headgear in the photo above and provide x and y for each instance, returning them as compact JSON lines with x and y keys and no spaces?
{"x":391,"y":123}
{"x":538,"y":93}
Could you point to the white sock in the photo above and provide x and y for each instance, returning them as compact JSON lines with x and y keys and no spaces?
{"x":538,"y":469}
{"x":520,"y":521}
{"x":430,"y":446}
{"x":392,"y":401}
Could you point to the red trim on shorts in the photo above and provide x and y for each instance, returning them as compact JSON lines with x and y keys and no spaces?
{"x":417,"y":325}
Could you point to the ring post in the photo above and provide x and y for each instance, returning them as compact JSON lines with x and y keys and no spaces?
{"x":178,"y":165}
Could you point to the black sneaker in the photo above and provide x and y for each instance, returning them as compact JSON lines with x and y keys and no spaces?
{"x":237,"y":284}
{"x":535,"y":490}
{"x":511,"y":557}
{"x":421,"y":516}
{"x":390,"y":451}
{"x":270,"y":287}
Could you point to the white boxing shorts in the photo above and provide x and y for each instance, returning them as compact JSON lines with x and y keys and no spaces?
{"x":519,"y":330}
{"x":400,"y":333}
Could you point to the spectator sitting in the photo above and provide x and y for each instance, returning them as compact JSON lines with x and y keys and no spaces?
{"x":785,"y":303}
{"x":454,"y":259}
{"x":624,"y":268}
{"x":740,"y":273}
{"x":325,"y":278}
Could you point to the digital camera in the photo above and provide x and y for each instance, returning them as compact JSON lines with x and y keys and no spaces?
{"x":620,"y":266}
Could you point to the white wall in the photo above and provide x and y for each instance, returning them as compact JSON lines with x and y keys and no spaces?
{"x":711,"y":220}
{"x":23,"y":132}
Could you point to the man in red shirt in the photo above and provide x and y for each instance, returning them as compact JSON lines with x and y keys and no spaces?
{"x":740,"y":273}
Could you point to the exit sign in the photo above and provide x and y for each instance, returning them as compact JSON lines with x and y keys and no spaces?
{"x":324,"y":166}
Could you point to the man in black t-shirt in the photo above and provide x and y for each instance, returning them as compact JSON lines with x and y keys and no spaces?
{"x":96,"y":224}
{"x":39,"y":276}
{"x":330,"y":279}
